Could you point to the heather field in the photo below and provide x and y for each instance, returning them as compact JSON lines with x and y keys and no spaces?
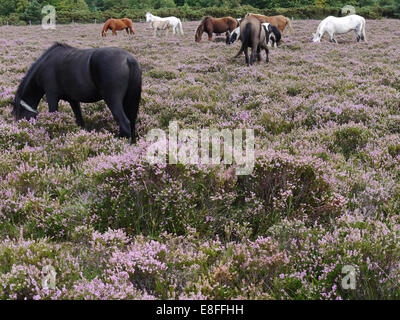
{"x":324,"y":192}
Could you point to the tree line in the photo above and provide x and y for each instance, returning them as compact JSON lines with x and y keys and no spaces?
{"x":29,"y":11}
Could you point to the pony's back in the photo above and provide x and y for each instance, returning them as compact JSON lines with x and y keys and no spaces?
{"x":249,"y":28}
{"x":204,"y":20}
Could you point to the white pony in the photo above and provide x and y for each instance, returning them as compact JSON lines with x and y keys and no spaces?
{"x":158,"y":23}
{"x":333,"y":25}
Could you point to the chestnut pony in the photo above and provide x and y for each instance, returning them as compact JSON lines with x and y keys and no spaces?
{"x":212,"y":25}
{"x":278,"y":21}
{"x":117,"y":25}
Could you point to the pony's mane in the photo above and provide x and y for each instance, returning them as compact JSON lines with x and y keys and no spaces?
{"x":205,"y":19}
{"x":33,"y":68}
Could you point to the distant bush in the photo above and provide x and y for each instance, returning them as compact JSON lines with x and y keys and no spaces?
{"x":195,"y":13}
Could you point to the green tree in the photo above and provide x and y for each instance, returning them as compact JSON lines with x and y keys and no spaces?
{"x":21,"y":6}
{"x":72,"y":5}
{"x":151,"y":4}
{"x":7,"y":7}
{"x":108,"y":4}
{"x":33,"y":13}
{"x":387,"y":3}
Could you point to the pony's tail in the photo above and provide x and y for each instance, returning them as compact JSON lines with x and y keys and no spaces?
{"x":180,"y":27}
{"x":289,"y":24}
{"x":245,"y":39}
{"x":133,"y":94}
{"x":363,"y":31}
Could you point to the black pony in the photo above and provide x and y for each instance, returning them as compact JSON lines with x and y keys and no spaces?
{"x":83,"y":75}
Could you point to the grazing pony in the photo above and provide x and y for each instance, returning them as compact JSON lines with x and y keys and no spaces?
{"x":117,"y":25}
{"x":158,"y":23}
{"x":233,"y":36}
{"x":333,"y":25}
{"x":212,"y":25}
{"x":274,"y":35}
{"x":254,"y":35}
{"x":278,"y":21}
{"x":83,"y":75}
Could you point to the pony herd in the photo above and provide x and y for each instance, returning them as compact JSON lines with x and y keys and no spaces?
{"x":255,"y":31}
{"x":158,"y":24}
{"x":89,"y":75}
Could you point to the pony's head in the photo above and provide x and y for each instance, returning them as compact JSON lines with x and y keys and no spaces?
{"x":316,"y":37}
{"x":148,"y":17}
{"x":199,"y":32}
{"x":22,"y":110}
{"x":275,"y":36}
{"x":200,"y":29}
{"x":233,"y":36}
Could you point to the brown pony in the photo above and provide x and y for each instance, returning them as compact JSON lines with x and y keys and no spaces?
{"x":278,"y":21}
{"x":117,"y":25}
{"x":212,"y":25}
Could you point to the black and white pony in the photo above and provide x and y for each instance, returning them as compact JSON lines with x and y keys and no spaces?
{"x":233,"y":36}
{"x":83,"y":75}
{"x":273,"y":35}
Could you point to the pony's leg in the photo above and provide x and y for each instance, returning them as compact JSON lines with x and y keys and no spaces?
{"x":267,"y":53}
{"x":52,"y":101}
{"x":253,"y":54}
{"x":209,"y":36}
{"x":227,"y":34}
{"x":76,"y":108}
{"x":363,"y":35}
{"x":332,"y":36}
{"x":117,"y":110}
{"x":114,"y":33}
{"x":258,"y":53}
{"x":246,"y":55}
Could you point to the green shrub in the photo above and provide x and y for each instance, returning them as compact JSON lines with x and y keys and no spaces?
{"x":162,"y":74}
{"x":65,"y":16}
{"x":349,"y":140}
